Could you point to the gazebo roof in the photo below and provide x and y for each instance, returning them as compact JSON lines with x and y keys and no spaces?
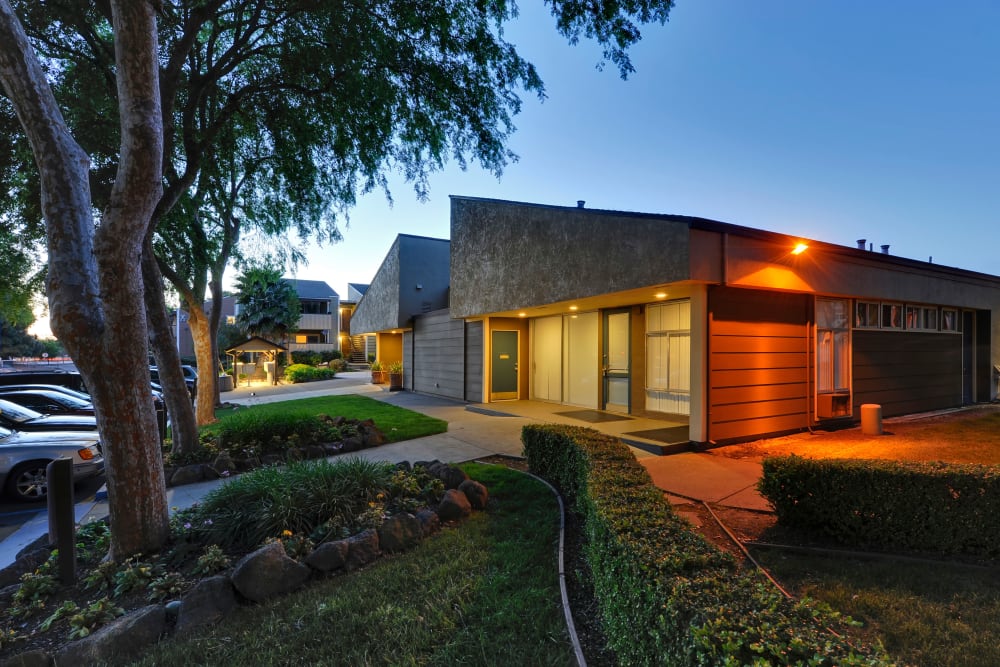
{"x":256,"y":344}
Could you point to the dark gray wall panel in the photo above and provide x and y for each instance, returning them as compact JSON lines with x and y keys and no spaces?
{"x":907,"y":372}
{"x":474,"y":361}
{"x":439,"y":355}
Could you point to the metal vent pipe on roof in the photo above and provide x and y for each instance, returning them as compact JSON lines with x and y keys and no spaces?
{"x":580,"y":203}
{"x":885,"y":249}
{"x":861,"y":243}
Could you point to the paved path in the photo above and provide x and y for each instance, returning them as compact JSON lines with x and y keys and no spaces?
{"x":472,"y":433}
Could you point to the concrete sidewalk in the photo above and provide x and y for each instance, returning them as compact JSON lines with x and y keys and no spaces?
{"x":473,"y":432}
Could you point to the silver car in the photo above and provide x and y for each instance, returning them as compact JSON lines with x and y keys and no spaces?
{"x":24,"y":456}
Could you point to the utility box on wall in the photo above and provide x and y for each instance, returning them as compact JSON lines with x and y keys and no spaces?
{"x":829,"y":406}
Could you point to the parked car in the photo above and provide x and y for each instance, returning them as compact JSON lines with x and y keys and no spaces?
{"x":190,"y":378}
{"x":48,"y":401}
{"x":25,"y":455}
{"x":20,"y":418}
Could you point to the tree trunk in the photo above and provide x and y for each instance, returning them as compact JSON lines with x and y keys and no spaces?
{"x":94,"y":282}
{"x":208,"y":366}
{"x":183,"y":428}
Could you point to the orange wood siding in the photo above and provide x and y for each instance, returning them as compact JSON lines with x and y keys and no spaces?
{"x":907,"y":372}
{"x":758,"y":362}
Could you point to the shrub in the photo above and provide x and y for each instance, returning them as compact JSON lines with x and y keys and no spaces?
{"x":306,"y":357}
{"x":920,"y":506}
{"x":330,"y":355}
{"x":299,"y":498}
{"x":250,"y":431}
{"x":303,"y":373}
{"x":665,"y":594}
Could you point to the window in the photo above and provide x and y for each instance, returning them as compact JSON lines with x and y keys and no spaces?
{"x":833,"y":346}
{"x":892,"y":316}
{"x":921,"y":318}
{"x":950,"y":321}
{"x":866,"y":315}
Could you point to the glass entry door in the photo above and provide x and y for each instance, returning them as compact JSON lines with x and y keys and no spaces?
{"x":617,"y":361}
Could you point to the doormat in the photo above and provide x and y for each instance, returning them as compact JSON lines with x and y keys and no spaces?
{"x":593,"y":416}
{"x":485,"y":411}
{"x":669,"y":435}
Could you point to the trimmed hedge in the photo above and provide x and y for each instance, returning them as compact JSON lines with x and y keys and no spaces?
{"x":303,"y":373}
{"x":666,"y":595}
{"x":894,"y":505}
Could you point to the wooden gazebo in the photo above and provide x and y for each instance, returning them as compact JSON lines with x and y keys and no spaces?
{"x":256,"y":345}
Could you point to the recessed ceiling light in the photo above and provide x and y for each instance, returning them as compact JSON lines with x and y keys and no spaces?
{"x":572,"y":307}
{"x":522,"y":314}
{"x":660,"y":295}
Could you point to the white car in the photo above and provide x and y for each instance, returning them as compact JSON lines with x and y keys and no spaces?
{"x":25,"y":455}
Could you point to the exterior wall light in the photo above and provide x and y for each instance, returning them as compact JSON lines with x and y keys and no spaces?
{"x":800,"y":248}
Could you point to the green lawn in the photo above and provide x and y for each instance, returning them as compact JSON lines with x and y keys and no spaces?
{"x":927,"y":615}
{"x":396,"y":423}
{"x":483,"y":592}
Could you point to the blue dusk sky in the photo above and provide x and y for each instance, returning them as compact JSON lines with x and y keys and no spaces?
{"x":833,"y":121}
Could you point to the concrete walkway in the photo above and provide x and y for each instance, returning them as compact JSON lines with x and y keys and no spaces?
{"x":474,"y":431}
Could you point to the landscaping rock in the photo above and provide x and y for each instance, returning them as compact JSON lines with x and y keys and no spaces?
{"x":400,"y":532}
{"x":36,"y":658}
{"x":295,"y":454}
{"x":352,"y":443}
{"x":26,"y":562}
{"x":270,"y":460}
{"x":475,"y":492}
{"x":430,"y":522}
{"x":404,"y":466}
{"x":362,"y":549}
{"x":120,"y":640}
{"x":450,"y":475}
{"x":454,"y":506}
{"x":210,"y":600}
{"x":328,"y":556}
{"x":187,"y":475}
{"x":315,"y":451}
{"x":7,"y":594}
{"x":224,"y":463}
{"x":268,"y":572}
{"x":331,"y":449}
{"x":370,"y":435}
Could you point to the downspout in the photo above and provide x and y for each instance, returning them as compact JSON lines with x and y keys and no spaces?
{"x":809,"y":348}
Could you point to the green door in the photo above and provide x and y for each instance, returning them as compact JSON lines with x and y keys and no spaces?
{"x":504,"y":356}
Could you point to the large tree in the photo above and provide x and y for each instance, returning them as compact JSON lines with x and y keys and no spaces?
{"x":94,"y":285}
{"x":350,"y":88}
{"x":319,"y":99}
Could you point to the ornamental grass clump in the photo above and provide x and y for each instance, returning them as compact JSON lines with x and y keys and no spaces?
{"x":320,"y":499}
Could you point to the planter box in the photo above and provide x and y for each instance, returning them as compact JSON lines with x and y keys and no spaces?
{"x":380,"y":377}
{"x":395,"y":381}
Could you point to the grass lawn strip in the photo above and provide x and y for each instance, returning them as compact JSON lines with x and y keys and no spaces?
{"x":396,"y":423}
{"x":484,"y":592}
{"x":929,"y":615}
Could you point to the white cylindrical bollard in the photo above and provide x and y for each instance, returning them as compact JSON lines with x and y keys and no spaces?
{"x":871,"y":419}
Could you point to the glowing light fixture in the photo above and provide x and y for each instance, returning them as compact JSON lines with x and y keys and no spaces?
{"x":800,"y":248}
{"x":572,"y":307}
{"x":660,"y":295}
{"x":522,"y":314}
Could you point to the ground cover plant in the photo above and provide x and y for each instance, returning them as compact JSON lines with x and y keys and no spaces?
{"x":927,"y":614}
{"x":299,"y":506}
{"x":485,"y":592}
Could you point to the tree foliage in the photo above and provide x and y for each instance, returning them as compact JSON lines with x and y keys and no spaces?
{"x":268,"y":305}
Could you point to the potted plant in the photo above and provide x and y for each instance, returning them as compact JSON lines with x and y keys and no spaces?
{"x":395,"y":375}
{"x":379,"y":374}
